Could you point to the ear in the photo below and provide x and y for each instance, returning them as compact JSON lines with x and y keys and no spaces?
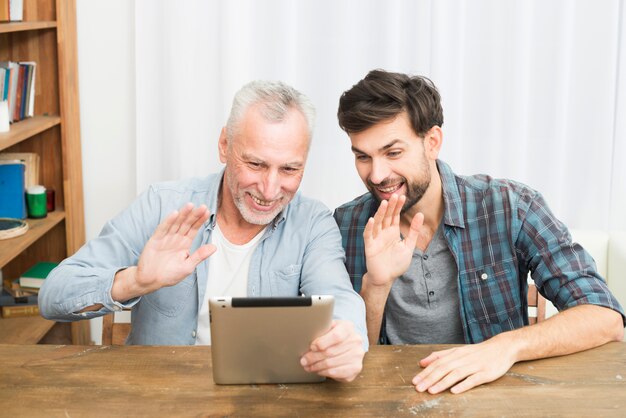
{"x":432,"y":142}
{"x":222,"y":145}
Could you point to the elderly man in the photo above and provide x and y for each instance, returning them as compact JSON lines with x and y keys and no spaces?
{"x":443,"y":258}
{"x":241,"y":232}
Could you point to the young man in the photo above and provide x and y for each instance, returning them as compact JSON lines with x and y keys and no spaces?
{"x":443,"y":258}
{"x":270,"y":241}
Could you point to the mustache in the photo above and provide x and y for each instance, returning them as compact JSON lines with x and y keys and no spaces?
{"x":386,"y":182}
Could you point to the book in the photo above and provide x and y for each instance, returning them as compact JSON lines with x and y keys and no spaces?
{"x":4,"y":11}
{"x":35,"y":276}
{"x":16,"y":10}
{"x":12,"y":190}
{"x":30,"y":160}
{"x":17,"y":298}
{"x":19,"y":311}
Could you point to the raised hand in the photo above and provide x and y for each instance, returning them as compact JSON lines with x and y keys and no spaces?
{"x":387,"y":255}
{"x":165,"y":259}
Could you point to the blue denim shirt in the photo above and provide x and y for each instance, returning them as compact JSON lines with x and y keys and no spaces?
{"x":299,"y":252}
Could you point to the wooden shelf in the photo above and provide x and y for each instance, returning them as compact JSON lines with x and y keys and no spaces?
{"x":26,"y":330}
{"x":12,"y":247}
{"x":47,"y":36}
{"x":27,"y":128}
{"x":22,"y":26}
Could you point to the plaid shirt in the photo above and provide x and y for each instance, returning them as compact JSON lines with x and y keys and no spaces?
{"x":498,"y":231}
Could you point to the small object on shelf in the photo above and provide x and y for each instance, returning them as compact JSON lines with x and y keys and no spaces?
{"x":11,"y":228}
{"x":50,"y":202}
{"x":36,"y":201}
{"x":12,"y":204}
{"x":4,"y":116}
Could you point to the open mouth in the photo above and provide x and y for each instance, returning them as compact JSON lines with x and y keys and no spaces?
{"x":263,"y":205}
{"x":390,"y":189}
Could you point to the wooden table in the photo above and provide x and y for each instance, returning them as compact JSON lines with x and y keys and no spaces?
{"x":78,"y":381}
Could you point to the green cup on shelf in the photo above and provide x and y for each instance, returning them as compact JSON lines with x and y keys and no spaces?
{"x":36,"y":201}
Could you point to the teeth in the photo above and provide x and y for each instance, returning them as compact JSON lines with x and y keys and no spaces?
{"x":390,"y":189}
{"x":261,"y":202}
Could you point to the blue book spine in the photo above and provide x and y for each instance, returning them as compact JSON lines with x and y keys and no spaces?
{"x":12,"y":193}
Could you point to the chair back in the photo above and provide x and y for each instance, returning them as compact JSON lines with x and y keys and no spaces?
{"x":114,"y":333}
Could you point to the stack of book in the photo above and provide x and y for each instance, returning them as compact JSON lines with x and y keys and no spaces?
{"x":17,"y":86}
{"x":20,"y":298}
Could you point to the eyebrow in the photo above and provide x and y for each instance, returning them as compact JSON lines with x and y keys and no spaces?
{"x":294,"y":164}
{"x":383,"y":148}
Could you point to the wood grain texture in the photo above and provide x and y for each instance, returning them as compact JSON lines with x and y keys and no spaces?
{"x":27,"y":330}
{"x":177,"y":381}
{"x":70,"y":124}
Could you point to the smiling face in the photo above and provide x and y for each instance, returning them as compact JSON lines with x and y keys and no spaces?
{"x":392,"y":159}
{"x":264,"y":164}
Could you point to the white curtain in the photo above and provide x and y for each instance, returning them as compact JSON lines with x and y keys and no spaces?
{"x":532,"y":90}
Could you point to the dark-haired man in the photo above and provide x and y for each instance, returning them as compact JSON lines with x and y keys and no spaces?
{"x":443,"y":258}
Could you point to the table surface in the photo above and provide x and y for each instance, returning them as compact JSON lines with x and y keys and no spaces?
{"x":70,"y":381}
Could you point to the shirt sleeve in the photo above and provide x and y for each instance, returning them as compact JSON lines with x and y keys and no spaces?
{"x":324,"y":273}
{"x":85,"y":279}
{"x":564,"y":272}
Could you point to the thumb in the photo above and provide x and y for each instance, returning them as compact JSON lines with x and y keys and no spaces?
{"x":416,"y":225}
{"x":201,"y":254}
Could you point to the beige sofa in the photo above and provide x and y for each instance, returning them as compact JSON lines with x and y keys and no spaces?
{"x":609,"y":252}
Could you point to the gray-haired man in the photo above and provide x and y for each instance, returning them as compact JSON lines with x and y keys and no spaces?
{"x":270,"y":241}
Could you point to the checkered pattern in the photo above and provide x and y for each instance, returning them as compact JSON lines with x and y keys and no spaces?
{"x":498,"y":231}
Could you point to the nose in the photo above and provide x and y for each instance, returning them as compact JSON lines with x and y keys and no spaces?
{"x":380,"y":171}
{"x":270,"y":186}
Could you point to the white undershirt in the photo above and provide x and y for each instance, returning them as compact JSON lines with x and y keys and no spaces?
{"x":227,"y":276}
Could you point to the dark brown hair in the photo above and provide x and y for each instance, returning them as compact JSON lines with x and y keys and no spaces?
{"x":382,"y":95}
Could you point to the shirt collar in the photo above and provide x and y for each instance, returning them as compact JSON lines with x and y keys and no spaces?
{"x":453,"y":212}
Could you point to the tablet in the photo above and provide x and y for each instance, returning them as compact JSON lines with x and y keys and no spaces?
{"x":261,"y":340}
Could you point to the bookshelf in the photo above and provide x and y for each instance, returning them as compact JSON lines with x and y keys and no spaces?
{"x":47,"y":35}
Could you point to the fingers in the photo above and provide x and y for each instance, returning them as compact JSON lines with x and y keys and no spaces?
{"x":165,"y":226}
{"x":337,"y":354}
{"x":378,"y":218}
{"x":183,"y":213}
{"x":187,"y":219}
{"x":393,"y":210}
{"x":472,"y":381}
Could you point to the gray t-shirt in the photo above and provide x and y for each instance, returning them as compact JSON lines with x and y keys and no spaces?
{"x":423,"y":305}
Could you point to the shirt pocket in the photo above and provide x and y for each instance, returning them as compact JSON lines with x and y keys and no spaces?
{"x":170,"y":300}
{"x":493,"y":294}
{"x":286,"y":281}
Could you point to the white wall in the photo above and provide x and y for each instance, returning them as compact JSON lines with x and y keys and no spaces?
{"x":106,"y":59}
{"x":107,"y":111}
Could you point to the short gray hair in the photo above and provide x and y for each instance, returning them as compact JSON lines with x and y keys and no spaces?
{"x":276,"y":99}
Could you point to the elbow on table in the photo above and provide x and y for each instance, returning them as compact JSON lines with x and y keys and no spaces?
{"x":618,"y":327}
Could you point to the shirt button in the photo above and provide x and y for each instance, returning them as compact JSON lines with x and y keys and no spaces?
{"x":431,"y":293}
{"x":193,"y":334}
{"x":484,"y":276}
{"x":425,"y":257}
{"x":427,"y":275}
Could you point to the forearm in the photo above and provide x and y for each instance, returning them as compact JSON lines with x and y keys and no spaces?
{"x":576,"y":329}
{"x":375,"y":298}
{"x":74,"y":292}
